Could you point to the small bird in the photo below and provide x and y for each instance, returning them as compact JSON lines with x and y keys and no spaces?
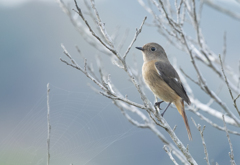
{"x":163,"y":80}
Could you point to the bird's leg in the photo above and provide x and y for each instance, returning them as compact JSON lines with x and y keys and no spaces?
{"x":166,"y":109}
{"x":157,"y":104}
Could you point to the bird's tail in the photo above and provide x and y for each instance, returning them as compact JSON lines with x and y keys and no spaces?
{"x":180,"y":107}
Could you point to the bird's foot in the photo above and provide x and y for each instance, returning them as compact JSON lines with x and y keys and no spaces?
{"x":157,"y":104}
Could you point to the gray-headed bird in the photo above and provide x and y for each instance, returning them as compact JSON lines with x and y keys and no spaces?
{"x":163,"y":80}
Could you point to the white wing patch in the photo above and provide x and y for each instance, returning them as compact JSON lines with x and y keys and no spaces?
{"x":157,"y":70}
{"x":176,"y":79}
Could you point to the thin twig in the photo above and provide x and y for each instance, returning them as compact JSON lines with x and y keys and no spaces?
{"x":229,"y":89}
{"x":79,"y":11}
{"x":102,"y":26}
{"x":206,"y":89}
{"x":89,"y":76}
{"x":134,"y":39}
{"x":199,"y":36}
{"x":221,"y":9}
{"x":88,"y":37}
{"x":224,"y":46}
{"x":212,"y":123}
{"x":230,"y":144}
{"x":124,"y":100}
{"x":90,"y":68}
{"x":49,"y":126}
{"x":174,"y":128}
{"x":236,"y":99}
{"x":203,"y":141}
{"x":213,"y":112}
{"x":196,"y":82}
{"x":169,"y":152}
{"x":238,"y":84}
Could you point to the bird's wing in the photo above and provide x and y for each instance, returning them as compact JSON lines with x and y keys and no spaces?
{"x":170,"y":76}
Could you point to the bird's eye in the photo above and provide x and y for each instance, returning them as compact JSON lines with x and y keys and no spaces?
{"x":153,"y":49}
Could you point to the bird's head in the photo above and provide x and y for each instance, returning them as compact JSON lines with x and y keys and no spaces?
{"x":153,"y":51}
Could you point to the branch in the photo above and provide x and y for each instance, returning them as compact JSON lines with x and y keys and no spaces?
{"x":84,"y":32}
{"x":49,"y":126}
{"x":86,"y":73}
{"x":224,"y":46}
{"x":135,"y":37}
{"x":209,"y":110}
{"x":169,"y":152}
{"x":206,"y":108}
{"x":212,"y":123}
{"x":230,"y":91}
{"x":230,"y":144}
{"x":90,"y":29}
{"x":102,"y":26}
{"x":212,"y":112}
{"x":221,"y":9}
{"x":203,"y":141}
{"x":124,"y":100}
{"x":151,"y":126}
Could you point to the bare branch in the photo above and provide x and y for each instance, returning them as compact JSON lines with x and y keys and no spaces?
{"x":174,"y":128}
{"x":90,"y":68}
{"x":224,"y":46}
{"x":152,"y":127}
{"x":230,"y":91}
{"x":90,"y":29}
{"x":207,"y":108}
{"x":134,"y":39}
{"x":195,"y":20}
{"x":189,"y":77}
{"x":212,"y":112}
{"x":212,"y":123}
{"x":206,"y":89}
{"x":238,"y":84}
{"x":87,"y":36}
{"x":175,"y":151}
{"x":49,"y":126}
{"x":89,"y":76}
{"x":124,"y":100}
{"x":230,"y":144}
{"x":203,"y":141}
{"x":102,"y":25}
{"x":169,"y":152}
{"x":221,"y":9}
{"x":134,"y":122}
{"x":67,"y":54}
{"x":236,"y":99}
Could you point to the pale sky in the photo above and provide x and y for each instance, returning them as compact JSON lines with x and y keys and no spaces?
{"x":12,"y":3}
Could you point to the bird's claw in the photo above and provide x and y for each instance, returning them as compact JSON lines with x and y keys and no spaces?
{"x":157,"y":104}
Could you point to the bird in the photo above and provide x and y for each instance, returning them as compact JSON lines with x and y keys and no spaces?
{"x":163,"y":80}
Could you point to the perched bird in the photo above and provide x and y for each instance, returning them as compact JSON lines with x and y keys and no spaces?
{"x":163,"y":80}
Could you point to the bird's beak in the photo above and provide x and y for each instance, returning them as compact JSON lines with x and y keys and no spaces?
{"x":140,"y":48}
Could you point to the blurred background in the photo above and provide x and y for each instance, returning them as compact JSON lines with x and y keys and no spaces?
{"x":86,"y":128}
